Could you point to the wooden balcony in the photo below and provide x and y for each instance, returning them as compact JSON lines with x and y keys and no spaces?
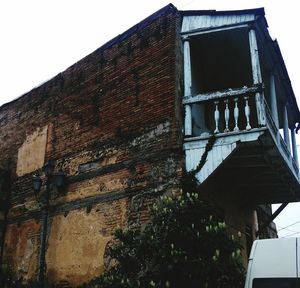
{"x":249,"y":157}
{"x":246,"y":133}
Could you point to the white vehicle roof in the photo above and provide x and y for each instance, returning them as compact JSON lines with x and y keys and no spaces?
{"x":275,"y":258}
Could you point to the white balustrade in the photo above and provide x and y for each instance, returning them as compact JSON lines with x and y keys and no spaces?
{"x":226,"y":114}
{"x":247,"y":112}
{"x":217,"y":117}
{"x":236,"y":114}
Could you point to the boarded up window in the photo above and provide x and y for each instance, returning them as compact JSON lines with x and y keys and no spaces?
{"x":31,"y":154}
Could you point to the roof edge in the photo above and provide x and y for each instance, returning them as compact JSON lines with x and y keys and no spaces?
{"x":139,"y":26}
{"x":127,"y":33}
{"x":257,"y":11}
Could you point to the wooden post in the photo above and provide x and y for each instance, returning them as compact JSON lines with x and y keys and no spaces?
{"x":286,"y":128}
{"x":257,"y":79}
{"x":187,"y":86}
{"x":254,"y":225}
{"x":274,"y":100}
{"x":294,"y":146}
{"x":188,"y":120}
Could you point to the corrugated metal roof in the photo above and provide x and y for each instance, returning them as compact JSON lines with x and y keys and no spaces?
{"x":256,"y":11}
{"x":211,"y":18}
{"x":208,"y":21}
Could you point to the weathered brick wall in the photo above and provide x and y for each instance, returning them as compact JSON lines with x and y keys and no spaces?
{"x":112,"y":122}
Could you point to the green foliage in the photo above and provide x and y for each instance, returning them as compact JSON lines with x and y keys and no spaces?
{"x":9,"y":279}
{"x":185,"y":245}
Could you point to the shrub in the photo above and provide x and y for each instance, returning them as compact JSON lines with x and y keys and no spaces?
{"x":186,"y":244}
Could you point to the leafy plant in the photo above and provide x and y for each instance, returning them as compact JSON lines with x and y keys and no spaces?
{"x":186,"y":244}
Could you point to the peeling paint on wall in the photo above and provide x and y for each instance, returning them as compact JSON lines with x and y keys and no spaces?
{"x":109,"y":123}
{"x":77,"y":241}
{"x":31,"y":154}
{"x":22,"y":244}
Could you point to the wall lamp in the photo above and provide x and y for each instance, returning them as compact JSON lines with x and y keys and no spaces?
{"x":57,"y":179}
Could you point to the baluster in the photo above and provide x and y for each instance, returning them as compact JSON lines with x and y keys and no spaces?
{"x":226,"y":114}
{"x":236,"y":114}
{"x":247,"y":113}
{"x":217,"y":117}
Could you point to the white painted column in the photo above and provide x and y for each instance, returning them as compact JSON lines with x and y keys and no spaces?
{"x":286,"y":135}
{"x":254,"y":225}
{"x":274,"y":100}
{"x":294,"y":146}
{"x":187,"y":86}
{"x":256,"y":75}
{"x":188,"y":131}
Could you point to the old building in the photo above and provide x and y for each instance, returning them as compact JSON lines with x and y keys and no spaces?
{"x":125,"y":122}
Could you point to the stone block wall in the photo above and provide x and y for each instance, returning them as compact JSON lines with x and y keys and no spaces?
{"x":112,"y":122}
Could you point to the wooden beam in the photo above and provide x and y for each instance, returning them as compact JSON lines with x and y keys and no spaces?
{"x":187,"y":70}
{"x":273,"y":93}
{"x":294,"y":146}
{"x":222,"y":94}
{"x":200,"y":31}
{"x":286,"y":135}
{"x":273,"y":216}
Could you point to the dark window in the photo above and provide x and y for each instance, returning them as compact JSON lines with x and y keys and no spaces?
{"x":275,"y":283}
{"x":220,"y":60}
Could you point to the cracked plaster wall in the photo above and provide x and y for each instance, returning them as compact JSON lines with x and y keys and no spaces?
{"x":117,"y":136}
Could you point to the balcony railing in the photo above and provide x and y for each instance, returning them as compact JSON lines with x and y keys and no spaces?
{"x":227,"y":111}
{"x":233,"y":111}
{"x":281,"y":144}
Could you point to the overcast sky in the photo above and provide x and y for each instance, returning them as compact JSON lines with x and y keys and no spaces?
{"x":40,"y":38}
